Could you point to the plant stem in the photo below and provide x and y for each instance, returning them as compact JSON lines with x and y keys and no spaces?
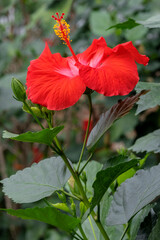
{"x":78,"y":236}
{"x":35,"y":117}
{"x":125,"y":230}
{"x":88,"y":160}
{"x":73,"y":173}
{"x":55,"y":138}
{"x":87,"y":131}
{"x":70,"y":195}
{"x":92,"y":228}
{"x":82,"y":232}
{"x":85,"y":200}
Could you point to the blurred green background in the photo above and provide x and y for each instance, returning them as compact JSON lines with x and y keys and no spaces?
{"x":25,"y":25}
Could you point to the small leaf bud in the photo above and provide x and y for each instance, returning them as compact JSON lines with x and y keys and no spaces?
{"x":62,"y":206}
{"x":37,"y":112}
{"x":83,"y":177}
{"x":62,"y":196}
{"x":82,"y":208}
{"x":73,"y":186}
{"x":73,"y":207}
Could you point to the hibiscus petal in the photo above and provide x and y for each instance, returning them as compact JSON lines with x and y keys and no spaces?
{"x":93,"y":56}
{"x":117,"y":75}
{"x":139,"y":58}
{"x":53,"y":81}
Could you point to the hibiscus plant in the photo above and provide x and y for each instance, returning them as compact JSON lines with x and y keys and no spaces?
{"x":94,"y":201}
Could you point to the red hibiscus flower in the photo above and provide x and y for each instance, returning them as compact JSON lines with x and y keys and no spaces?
{"x":57,"y":82}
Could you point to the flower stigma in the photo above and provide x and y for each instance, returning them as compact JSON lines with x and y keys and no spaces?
{"x":62,"y":30}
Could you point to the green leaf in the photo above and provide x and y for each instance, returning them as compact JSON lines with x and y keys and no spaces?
{"x":113,"y":161}
{"x":129,"y":24}
{"x":106,"y":177}
{"x":106,"y":120}
{"x":149,"y":100}
{"x":136,"y":33}
{"x":44,"y":136}
{"x":114,"y":232}
{"x":123,"y":126}
{"x":156,"y":231}
{"x":134,"y":224}
{"x":98,"y":21}
{"x":91,"y":175}
{"x":36,"y":182}
{"x":152,"y":22}
{"x":126,"y":175}
{"x":134,"y":194}
{"x":49,"y":215}
{"x":148,"y":143}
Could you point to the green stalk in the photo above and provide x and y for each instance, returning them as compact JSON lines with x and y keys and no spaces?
{"x":92,"y":228}
{"x":85,"y":200}
{"x":82,"y":233}
{"x":87,"y":131}
{"x":73,"y":173}
{"x":55,"y":138}
{"x":88,"y":160}
{"x":35,"y":117}
{"x":125,"y":230}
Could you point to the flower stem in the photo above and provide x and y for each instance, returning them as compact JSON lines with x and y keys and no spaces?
{"x":88,"y":160}
{"x":74,"y":174}
{"x":50,"y":124}
{"x":87,"y":131}
{"x":70,"y":195}
{"x":125,"y":230}
{"x":85,"y":200}
{"x":92,"y":228}
{"x":82,"y":233}
{"x":35,"y":117}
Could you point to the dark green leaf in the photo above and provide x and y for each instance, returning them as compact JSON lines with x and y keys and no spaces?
{"x":134,"y":224}
{"x":152,"y":22}
{"x":129,"y":24}
{"x":156,"y":231}
{"x":149,"y":100}
{"x":114,"y":232}
{"x":91,"y":174}
{"x":148,"y":143}
{"x":36,"y":182}
{"x":113,"y":161}
{"x":49,"y":215}
{"x":133,"y":195}
{"x":118,"y":110}
{"x":106,"y":177}
{"x":44,"y":136}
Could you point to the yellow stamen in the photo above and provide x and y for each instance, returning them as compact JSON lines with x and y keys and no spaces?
{"x":62,"y":28}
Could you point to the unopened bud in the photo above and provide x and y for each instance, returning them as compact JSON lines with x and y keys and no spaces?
{"x":73,"y":207}
{"x":62,"y":197}
{"x":73,"y":186}
{"x":82,"y":208}
{"x":18,"y":90}
{"x":62,"y":206}
{"x":45,"y":110}
{"x":83,"y":177}
{"x":37,"y":112}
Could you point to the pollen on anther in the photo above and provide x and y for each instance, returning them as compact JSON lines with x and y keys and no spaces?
{"x":61,"y":28}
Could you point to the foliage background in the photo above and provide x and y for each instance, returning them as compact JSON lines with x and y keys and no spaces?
{"x":25,"y":25}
